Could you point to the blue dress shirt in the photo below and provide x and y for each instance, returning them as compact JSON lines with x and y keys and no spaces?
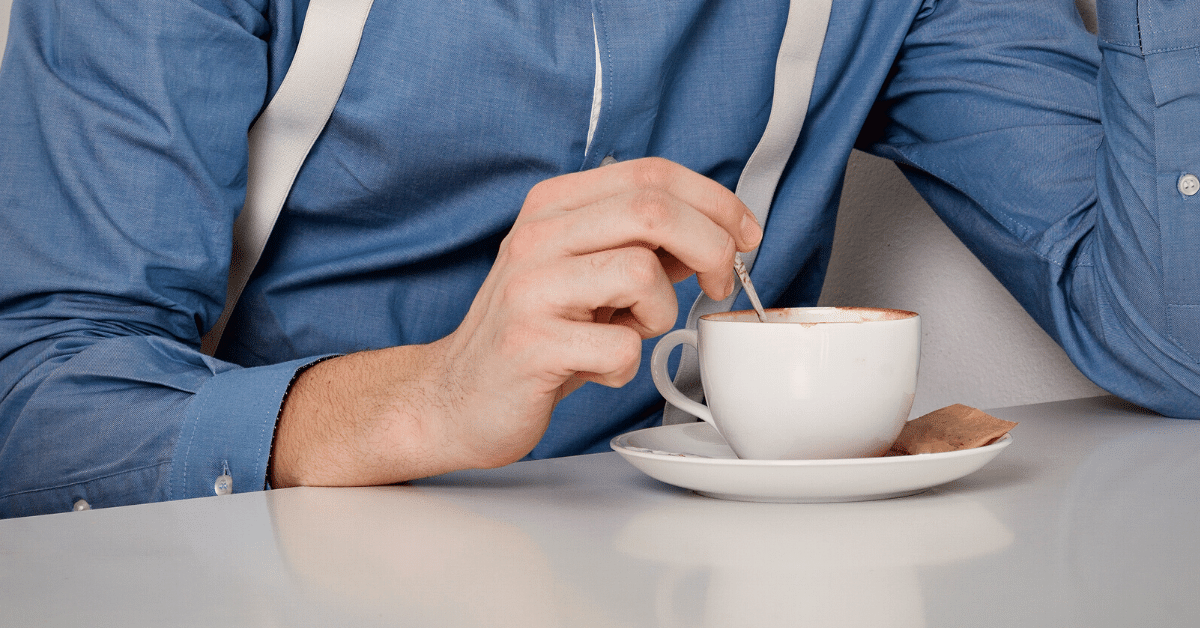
{"x":1061,"y":159}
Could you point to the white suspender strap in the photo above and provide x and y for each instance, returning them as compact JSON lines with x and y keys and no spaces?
{"x":795,"y":70}
{"x":286,"y":130}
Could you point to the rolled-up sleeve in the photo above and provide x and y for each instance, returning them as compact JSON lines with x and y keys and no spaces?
{"x":1066,"y":163}
{"x":122,"y":166}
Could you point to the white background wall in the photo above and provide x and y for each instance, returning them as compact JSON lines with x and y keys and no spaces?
{"x":891,"y":250}
{"x":980,"y":348}
{"x":4,"y":6}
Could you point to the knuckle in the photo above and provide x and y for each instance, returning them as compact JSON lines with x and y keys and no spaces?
{"x":521,"y":290}
{"x":653,"y":173}
{"x":653,"y":210}
{"x":640,"y":266}
{"x":726,"y":206}
{"x":539,"y":195}
{"x":525,"y":239}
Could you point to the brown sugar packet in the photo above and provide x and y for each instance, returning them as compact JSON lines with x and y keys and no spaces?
{"x":949,"y":429}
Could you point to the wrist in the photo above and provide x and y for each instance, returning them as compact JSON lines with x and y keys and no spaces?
{"x":360,"y":419}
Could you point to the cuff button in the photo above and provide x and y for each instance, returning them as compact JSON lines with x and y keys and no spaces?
{"x":223,"y":485}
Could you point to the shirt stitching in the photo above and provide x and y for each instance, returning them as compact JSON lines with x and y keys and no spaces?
{"x":186,"y":457}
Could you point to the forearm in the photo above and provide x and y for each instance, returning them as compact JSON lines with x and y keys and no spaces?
{"x":365,"y":419}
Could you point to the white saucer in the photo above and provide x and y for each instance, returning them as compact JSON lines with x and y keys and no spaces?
{"x":694,"y":456}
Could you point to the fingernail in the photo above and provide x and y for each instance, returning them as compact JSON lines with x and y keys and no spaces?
{"x":751,"y":232}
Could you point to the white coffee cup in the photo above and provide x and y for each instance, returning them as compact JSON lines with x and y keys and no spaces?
{"x":811,"y":383}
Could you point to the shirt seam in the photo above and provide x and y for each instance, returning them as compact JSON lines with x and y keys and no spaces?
{"x":1172,"y":49}
{"x":1121,"y":43}
{"x":187,"y":453}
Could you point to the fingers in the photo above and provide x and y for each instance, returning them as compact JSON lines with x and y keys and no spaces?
{"x":694,"y":223}
{"x":651,"y":174}
{"x":586,"y":272}
{"x":605,"y":354}
{"x":625,"y":286}
{"x":660,"y":221}
{"x":608,"y":355}
{"x":562,"y":351}
{"x":549,"y":315}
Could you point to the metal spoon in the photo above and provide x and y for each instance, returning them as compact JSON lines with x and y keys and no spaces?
{"x":740,"y":267}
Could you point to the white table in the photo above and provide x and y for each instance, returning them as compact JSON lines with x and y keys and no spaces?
{"x":1090,"y":518}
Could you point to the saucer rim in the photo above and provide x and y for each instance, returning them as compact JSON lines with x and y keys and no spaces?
{"x":799,"y":481}
{"x":620,"y":445}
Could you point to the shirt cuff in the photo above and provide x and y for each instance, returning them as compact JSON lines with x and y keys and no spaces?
{"x":230,"y":423}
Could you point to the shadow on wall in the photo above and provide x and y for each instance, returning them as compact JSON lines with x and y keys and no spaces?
{"x":979,"y":347}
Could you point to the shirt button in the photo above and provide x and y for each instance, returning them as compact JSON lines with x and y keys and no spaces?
{"x":1189,"y":184}
{"x":81,"y":505}
{"x":223,"y":485}
{"x":608,"y":161}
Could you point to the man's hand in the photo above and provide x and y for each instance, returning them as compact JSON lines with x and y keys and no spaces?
{"x":585,"y":274}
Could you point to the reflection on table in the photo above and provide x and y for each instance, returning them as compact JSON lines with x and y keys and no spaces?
{"x":1086,"y":520}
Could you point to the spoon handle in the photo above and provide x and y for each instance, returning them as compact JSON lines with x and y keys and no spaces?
{"x":740,"y":268}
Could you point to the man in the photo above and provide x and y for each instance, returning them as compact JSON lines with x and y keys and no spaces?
{"x":453,"y":262}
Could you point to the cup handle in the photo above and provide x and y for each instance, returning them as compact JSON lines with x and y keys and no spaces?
{"x":662,"y":381}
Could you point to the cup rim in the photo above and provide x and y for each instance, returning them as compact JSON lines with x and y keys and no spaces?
{"x":750,"y":316}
